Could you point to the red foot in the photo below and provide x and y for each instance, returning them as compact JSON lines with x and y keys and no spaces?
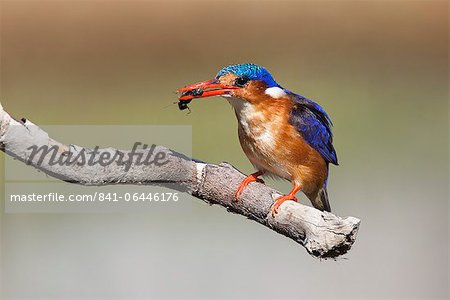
{"x":250,"y":178}
{"x":280,"y":200}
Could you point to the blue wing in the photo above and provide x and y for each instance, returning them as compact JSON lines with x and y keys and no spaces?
{"x":313,"y":123}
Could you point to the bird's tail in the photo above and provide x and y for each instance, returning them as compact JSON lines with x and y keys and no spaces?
{"x":320,"y":201}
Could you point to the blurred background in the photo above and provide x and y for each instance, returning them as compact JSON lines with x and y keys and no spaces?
{"x":380,"y":69}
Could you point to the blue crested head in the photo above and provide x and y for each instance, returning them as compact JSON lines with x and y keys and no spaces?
{"x":251,"y":71}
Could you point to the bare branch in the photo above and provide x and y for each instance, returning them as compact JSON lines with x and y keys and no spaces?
{"x":323,"y":234}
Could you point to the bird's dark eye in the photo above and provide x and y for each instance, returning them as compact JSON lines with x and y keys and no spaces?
{"x":241,"y":81}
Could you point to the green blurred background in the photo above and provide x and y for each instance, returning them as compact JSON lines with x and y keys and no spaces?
{"x":380,"y":69}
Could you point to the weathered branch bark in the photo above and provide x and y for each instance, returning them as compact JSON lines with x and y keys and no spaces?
{"x":323,"y":234}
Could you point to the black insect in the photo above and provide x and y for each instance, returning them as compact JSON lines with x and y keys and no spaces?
{"x":195,"y":92}
{"x":183,"y":104}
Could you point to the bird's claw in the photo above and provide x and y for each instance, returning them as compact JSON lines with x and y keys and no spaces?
{"x":280,"y":200}
{"x":249,"y":179}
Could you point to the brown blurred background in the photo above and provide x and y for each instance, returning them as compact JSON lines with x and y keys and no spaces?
{"x":380,"y":69}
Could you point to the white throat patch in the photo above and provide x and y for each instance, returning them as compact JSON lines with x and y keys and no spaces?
{"x":275,"y":92}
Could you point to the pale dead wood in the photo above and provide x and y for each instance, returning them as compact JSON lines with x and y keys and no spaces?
{"x":324,"y":235}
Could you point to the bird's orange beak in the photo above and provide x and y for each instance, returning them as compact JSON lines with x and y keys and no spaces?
{"x":204,"y":89}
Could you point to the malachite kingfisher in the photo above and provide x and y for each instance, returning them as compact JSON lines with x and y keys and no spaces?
{"x":282,"y":133}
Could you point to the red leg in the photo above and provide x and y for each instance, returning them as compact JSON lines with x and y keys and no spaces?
{"x":280,"y":200}
{"x":250,"y":178}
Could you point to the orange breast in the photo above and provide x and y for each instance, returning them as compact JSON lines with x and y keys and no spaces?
{"x":272,"y":144}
